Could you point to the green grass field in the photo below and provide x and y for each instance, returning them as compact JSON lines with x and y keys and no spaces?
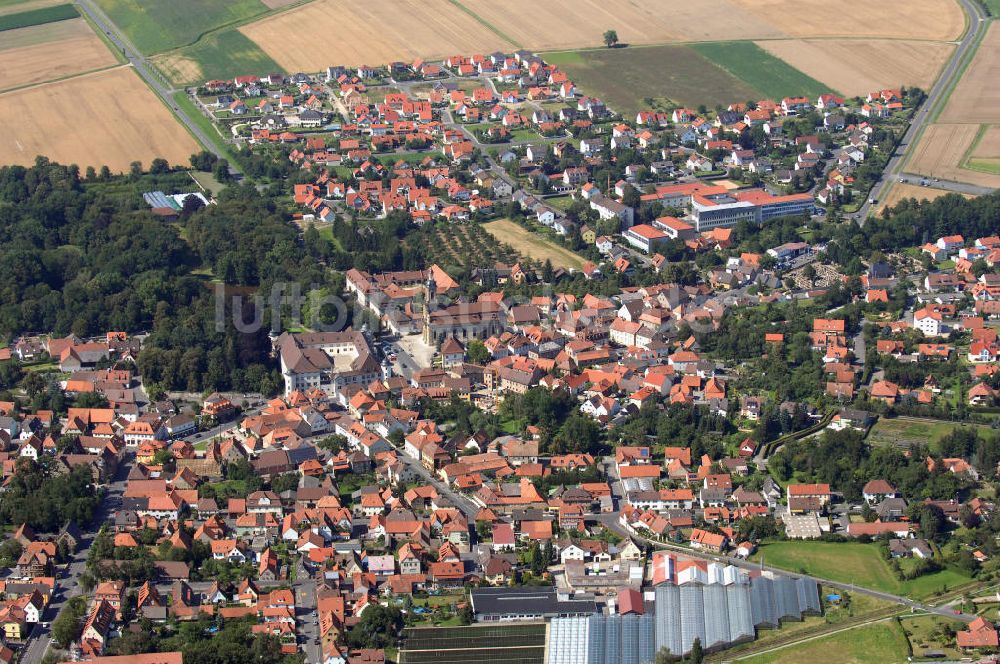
{"x":761,"y":70}
{"x":222,"y":54}
{"x":993,"y":6}
{"x":904,"y":432}
{"x":158,"y":25}
{"x":624,"y":78}
{"x":38,"y":17}
{"x":860,"y":564}
{"x":878,"y":643}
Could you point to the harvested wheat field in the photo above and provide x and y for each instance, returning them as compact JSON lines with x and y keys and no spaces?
{"x":988,"y":146}
{"x":558,"y":24}
{"x":108,"y":117}
{"x":941,"y":151}
{"x":54,"y":50}
{"x":976,"y":98}
{"x":532,"y":245}
{"x":917,"y":19}
{"x":858,"y":66}
{"x":900,"y":192}
{"x":354,"y":32}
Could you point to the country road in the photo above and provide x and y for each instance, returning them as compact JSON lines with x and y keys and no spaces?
{"x":937,"y":95}
{"x":149,"y":74}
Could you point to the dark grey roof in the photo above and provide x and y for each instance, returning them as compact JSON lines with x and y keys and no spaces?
{"x":527,"y":601}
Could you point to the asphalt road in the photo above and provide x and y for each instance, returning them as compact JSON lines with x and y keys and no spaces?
{"x":937,"y":95}
{"x":68,"y":584}
{"x":148,"y":73}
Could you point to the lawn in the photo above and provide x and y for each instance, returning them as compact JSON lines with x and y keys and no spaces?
{"x":860,"y":564}
{"x":925,"y":633}
{"x":878,"y":643}
{"x":560,"y":202}
{"x":156,"y":25}
{"x":905,"y":432}
{"x":993,"y":6}
{"x":533,"y":245}
{"x":626,"y":78}
{"x":222,"y":55}
{"x":761,"y":70}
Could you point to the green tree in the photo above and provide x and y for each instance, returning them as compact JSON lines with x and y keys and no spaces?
{"x":610,"y":38}
{"x":697,"y":654}
{"x":67,"y":625}
{"x":379,"y":627}
{"x":477,"y":352}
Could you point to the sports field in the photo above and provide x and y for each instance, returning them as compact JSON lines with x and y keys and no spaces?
{"x":859,"y":564}
{"x":532,"y":245}
{"x":158,"y":25}
{"x":222,"y":54}
{"x":50,"y":51}
{"x":108,"y":117}
{"x":878,"y":643}
{"x":760,"y":70}
{"x":626,"y":78}
{"x":356,"y":32}
{"x":858,"y":66}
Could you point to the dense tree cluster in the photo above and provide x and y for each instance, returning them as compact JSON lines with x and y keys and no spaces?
{"x":46,"y":500}
{"x":843,"y":460}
